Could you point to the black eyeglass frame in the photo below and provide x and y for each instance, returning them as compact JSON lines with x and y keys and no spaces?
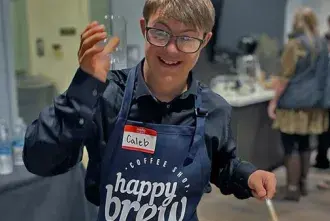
{"x":176,"y":37}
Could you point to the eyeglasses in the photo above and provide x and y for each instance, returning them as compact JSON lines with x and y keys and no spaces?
{"x":161,"y":38}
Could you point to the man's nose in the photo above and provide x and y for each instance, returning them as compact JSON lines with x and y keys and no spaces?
{"x":171,"y":46}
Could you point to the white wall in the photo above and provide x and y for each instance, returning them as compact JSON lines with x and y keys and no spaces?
{"x":98,"y":8}
{"x":324,"y":12}
{"x":252,"y":17}
{"x":8,"y":97}
{"x":42,"y":19}
{"x":20,"y":34}
{"x":45,"y":18}
{"x":132,"y":11}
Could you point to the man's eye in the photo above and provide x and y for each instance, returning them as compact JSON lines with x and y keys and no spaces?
{"x":160,"y":33}
{"x":185,"y":38}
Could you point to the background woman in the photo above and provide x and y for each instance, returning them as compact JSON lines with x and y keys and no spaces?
{"x":296,"y":125}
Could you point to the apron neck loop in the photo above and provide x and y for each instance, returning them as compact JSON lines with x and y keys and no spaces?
{"x":201,"y":114}
{"x":128,"y":94}
{"x":199,"y":111}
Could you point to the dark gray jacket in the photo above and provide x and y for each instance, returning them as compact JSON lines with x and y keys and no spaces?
{"x":306,"y":89}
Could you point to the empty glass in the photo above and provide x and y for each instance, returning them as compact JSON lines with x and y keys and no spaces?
{"x":116,"y":26}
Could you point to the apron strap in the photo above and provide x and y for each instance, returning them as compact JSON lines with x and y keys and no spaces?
{"x":127,"y":99}
{"x":201,"y":114}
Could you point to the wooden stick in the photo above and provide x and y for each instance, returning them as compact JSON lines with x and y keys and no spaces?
{"x":271,"y":210}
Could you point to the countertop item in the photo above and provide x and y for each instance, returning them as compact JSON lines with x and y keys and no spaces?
{"x":235,"y":94}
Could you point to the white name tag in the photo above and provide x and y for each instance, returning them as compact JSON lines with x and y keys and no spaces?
{"x":139,"y":139}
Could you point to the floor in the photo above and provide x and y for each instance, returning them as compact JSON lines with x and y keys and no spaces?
{"x":216,"y":207}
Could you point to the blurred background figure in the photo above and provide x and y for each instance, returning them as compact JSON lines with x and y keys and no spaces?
{"x":327,"y":35}
{"x":322,"y":161}
{"x":297,"y":125}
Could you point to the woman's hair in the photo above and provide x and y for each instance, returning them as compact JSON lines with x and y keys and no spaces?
{"x":306,"y":22}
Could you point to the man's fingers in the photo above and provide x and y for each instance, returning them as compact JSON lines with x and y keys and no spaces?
{"x":90,"y":53}
{"x":271,"y":193}
{"x":262,"y":193}
{"x":92,"y":31}
{"x":259,"y":190}
{"x":89,"y":26}
{"x":111,"y":45}
{"x":271,"y":186}
{"x":91,"y":42}
{"x":256,"y":195}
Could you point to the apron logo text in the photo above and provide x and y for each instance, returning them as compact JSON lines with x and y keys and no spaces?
{"x":143,"y":189}
{"x":146,"y":161}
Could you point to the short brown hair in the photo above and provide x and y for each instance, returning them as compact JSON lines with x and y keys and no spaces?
{"x":199,"y":14}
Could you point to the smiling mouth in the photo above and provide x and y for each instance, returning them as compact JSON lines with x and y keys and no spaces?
{"x":169,"y":63}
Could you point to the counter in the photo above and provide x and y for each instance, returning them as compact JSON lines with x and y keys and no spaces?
{"x":25,"y":196}
{"x":257,"y":142}
{"x":246,"y":100}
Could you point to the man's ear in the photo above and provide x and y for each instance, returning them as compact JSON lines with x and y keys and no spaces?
{"x":207,"y":38}
{"x":143,"y":26}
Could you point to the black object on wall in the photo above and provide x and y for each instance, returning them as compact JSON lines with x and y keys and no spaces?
{"x":252,"y":17}
{"x":218,"y":6}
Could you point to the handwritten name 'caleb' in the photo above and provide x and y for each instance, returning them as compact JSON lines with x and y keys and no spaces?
{"x":136,"y":141}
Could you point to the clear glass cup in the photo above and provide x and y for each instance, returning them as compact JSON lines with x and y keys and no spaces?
{"x":116,"y":25}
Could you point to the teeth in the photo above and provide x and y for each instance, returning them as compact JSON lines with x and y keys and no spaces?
{"x":169,"y":62}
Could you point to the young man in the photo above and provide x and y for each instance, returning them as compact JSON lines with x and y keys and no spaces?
{"x":154,"y":135}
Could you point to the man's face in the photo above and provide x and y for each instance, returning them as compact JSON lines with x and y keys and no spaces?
{"x":169,"y":61}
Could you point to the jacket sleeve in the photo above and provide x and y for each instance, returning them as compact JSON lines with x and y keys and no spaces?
{"x":229,"y":173}
{"x":289,"y":58}
{"x":54,"y":141}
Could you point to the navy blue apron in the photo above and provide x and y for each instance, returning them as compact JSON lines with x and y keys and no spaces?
{"x":138,"y":183}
